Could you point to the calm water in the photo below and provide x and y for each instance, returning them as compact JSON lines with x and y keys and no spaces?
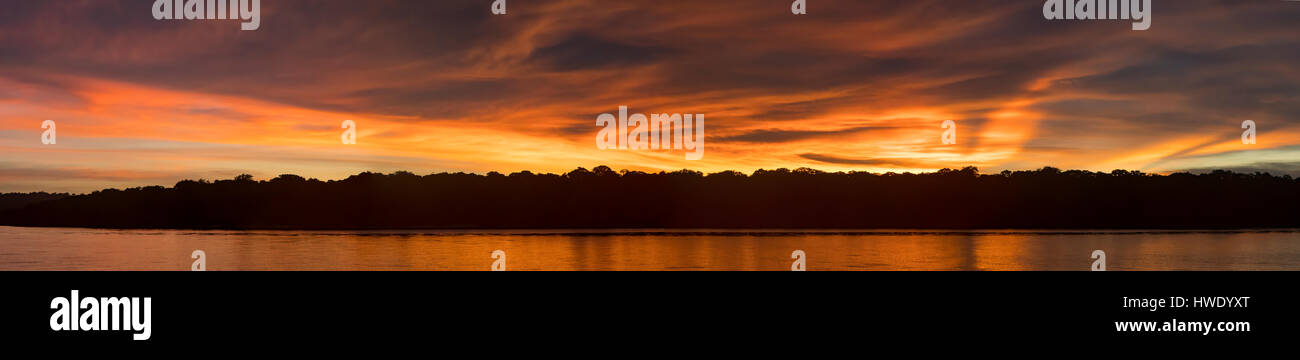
{"x":89,"y":249}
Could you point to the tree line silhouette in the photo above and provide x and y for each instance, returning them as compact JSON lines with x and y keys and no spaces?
{"x":1047,"y":198}
{"x":19,"y":200}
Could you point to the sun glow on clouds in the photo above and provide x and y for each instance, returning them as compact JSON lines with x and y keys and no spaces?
{"x":444,"y":86}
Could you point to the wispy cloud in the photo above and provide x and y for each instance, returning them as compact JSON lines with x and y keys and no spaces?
{"x":447,"y":86}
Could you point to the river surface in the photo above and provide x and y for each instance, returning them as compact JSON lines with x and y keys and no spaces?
{"x":94,"y":249}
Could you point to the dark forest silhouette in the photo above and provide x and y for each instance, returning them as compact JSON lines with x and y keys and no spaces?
{"x":602,"y":198}
{"x":19,"y":200}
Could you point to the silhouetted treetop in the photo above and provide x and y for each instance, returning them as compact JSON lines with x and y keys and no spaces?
{"x":605,"y":198}
{"x":20,"y":200}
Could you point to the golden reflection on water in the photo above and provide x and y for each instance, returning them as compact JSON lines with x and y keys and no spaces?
{"x":89,"y":249}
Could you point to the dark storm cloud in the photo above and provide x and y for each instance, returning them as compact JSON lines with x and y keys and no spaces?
{"x":583,"y":52}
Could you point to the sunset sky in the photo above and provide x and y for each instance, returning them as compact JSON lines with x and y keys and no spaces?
{"x":440,"y":86}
